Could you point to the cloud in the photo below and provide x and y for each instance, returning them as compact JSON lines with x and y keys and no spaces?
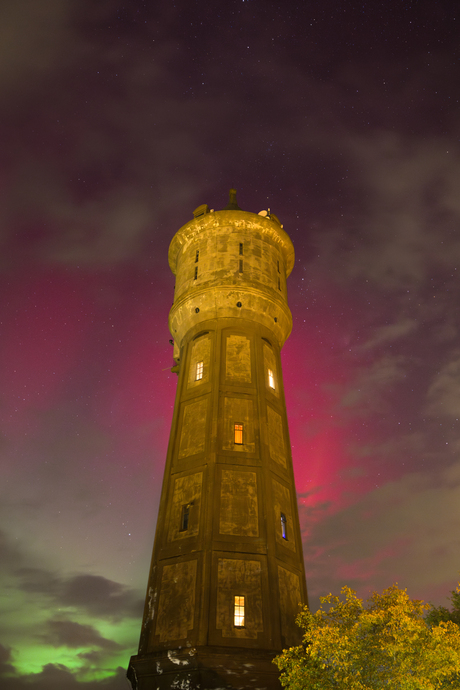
{"x":35,"y":591}
{"x":443,"y":397}
{"x":405,"y":218}
{"x":11,"y":555}
{"x":410,"y":213}
{"x":94,"y":594}
{"x":59,"y":677}
{"x":101,"y":158}
{"x":100,"y":596}
{"x":386,"y":537}
{"x":70,"y":634}
{"x":373,"y":383}
{"x":389,"y":333}
{"x":6,"y":667}
{"x":32,"y":38}
{"x":98,"y":231}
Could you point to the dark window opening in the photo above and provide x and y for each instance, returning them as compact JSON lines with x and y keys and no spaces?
{"x":241,"y":248}
{"x":279,"y":284}
{"x":185,"y":517}
{"x":196,"y":273}
{"x":278,"y":265}
{"x":197,"y":256}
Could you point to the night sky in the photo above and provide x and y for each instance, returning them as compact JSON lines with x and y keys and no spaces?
{"x":116,"y":121}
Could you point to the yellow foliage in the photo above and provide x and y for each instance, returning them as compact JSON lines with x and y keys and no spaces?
{"x":385,"y":642}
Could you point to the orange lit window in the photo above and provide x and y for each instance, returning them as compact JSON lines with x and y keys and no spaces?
{"x":239,"y":433}
{"x":199,"y":371}
{"x":283,"y":526}
{"x":238,"y":612}
{"x":271,"y":379}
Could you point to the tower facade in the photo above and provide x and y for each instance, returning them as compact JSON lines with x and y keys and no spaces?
{"x":227,"y":572}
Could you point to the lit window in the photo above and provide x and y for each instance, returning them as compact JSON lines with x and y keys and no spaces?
{"x":196,"y":273}
{"x":238,"y":613}
{"x":197,"y":256}
{"x":241,"y":248}
{"x":271,"y":379}
{"x":199,"y":371}
{"x":283,"y":526}
{"x":241,"y":266}
{"x":184,"y":518}
{"x":239,"y":434}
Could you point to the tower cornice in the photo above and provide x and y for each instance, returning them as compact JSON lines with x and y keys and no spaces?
{"x":202,"y":304}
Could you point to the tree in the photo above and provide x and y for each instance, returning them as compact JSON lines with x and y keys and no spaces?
{"x":441,"y":613}
{"x":385,"y":642}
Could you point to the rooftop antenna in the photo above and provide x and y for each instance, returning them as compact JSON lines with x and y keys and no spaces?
{"x":232,"y":204}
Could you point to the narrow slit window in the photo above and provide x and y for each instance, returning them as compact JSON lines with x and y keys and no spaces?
{"x":185,"y":517}
{"x":197,"y":256}
{"x":196,"y":273}
{"x":283,"y":526}
{"x":241,"y":249}
{"x":279,"y":284}
{"x":278,"y":265}
{"x":199,"y":371}
{"x":239,"y":434}
{"x":238,"y":612}
{"x":271,"y":379}
{"x":241,"y":266}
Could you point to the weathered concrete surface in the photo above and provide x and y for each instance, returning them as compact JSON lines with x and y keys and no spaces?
{"x":229,"y":320}
{"x":204,"y":668}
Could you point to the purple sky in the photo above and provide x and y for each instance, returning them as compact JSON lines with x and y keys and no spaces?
{"x":116,"y":121}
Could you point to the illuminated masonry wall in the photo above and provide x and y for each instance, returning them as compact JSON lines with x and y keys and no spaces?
{"x":227,"y":572}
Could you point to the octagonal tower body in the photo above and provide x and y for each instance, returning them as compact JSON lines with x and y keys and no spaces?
{"x":227,"y":573}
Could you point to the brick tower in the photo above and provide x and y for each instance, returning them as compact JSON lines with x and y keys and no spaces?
{"x":227,"y":571}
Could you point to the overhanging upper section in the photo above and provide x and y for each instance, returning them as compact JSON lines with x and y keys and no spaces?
{"x":241,"y":221}
{"x":230,"y":264}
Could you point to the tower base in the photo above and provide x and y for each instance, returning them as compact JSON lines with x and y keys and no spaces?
{"x":205,"y":668}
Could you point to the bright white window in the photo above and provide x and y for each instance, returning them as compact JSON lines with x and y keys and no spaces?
{"x":271,"y":379}
{"x":199,"y":371}
{"x":283,"y":526}
{"x":238,"y":613}
{"x":239,"y":433}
